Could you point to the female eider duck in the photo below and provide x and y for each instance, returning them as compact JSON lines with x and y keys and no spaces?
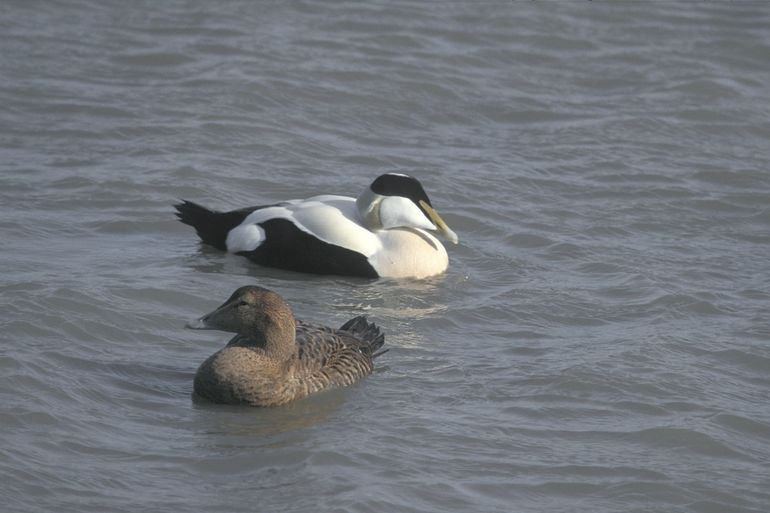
{"x":383,"y":233}
{"x":273,"y":358}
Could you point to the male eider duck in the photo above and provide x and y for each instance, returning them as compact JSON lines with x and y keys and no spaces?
{"x":274,"y":359}
{"x":386,"y":232}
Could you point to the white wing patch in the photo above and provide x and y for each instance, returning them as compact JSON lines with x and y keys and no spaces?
{"x":245,"y":237}
{"x":332,"y":219}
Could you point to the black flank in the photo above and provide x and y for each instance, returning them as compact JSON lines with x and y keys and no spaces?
{"x":288,"y":247}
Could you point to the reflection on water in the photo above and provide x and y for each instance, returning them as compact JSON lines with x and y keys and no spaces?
{"x":229,"y":420}
{"x":346,"y":296}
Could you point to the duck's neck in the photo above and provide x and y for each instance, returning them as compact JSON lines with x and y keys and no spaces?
{"x":277,"y":339}
{"x":368,"y":204}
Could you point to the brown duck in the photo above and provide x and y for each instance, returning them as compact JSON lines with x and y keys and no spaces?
{"x":273,"y":358}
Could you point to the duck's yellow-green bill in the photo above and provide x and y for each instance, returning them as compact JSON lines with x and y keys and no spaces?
{"x":440,"y":224}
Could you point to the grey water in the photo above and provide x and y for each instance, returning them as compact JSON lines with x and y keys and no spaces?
{"x":600,"y":342}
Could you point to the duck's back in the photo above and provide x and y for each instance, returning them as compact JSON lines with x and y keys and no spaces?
{"x":330,"y":358}
{"x":319,"y":235}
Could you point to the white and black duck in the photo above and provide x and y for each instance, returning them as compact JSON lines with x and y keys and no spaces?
{"x":388,"y":231}
{"x":273,"y":358}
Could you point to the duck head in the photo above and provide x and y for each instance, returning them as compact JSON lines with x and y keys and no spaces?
{"x":394,"y":200}
{"x":253,"y":312}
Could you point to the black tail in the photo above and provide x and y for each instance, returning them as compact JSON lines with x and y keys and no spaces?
{"x":212,"y":227}
{"x":367,"y":332}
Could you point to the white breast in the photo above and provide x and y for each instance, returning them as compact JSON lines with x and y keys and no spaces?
{"x":409,"y":252}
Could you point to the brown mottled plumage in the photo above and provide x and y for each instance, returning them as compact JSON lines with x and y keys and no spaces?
{"x":274,"y":359}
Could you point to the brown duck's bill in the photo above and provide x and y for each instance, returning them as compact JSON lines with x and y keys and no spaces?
{"x":212,"y":320}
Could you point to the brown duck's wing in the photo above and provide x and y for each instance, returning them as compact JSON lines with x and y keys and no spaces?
{"x":367,"y":333}
{"x":304,"y":327}
{"x":336,"y":357}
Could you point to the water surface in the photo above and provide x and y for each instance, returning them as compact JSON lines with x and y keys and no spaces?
{"x":599,"y":343}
